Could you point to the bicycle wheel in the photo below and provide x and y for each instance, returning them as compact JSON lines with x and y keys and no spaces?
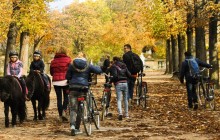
{"x":104,"y":101}
{"x":201,"y":95}
{"x":143,"y":99}
{"x":210,"y":96}
{"x":95,"y":114}
{"x":86,"y":119}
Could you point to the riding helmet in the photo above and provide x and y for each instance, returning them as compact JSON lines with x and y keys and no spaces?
{"x":37,"y":53}
{"x":13,"y":53}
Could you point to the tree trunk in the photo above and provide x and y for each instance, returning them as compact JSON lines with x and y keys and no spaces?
{"x":24,"y":46}
{"x":200,"y":43}
{"x":182,"y":48}
{"x":11,"y":42}
{"x":189,"y":33}
{"x":213,"y":53}
{"x":175,"y":57}
{"x":36,"y":42}
{"x":168,"y":56}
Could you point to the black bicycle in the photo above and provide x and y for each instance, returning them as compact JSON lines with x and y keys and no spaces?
{"x":205,"y":91}
{"x":106,"y":97}
{"x":141,"y":91}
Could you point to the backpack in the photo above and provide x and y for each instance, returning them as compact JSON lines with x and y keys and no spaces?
{"x":121,"y":73}
{"x":136,"y":64}
{"x":193,"y":68}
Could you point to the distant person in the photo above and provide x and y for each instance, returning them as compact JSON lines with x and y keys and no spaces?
{"x":58,"y":69}
{"x":189,"y":69}
{"x":15,"y":68}
{"x":78,"y":74}
{"x":134,"y":65}
{"x":120,"y":74}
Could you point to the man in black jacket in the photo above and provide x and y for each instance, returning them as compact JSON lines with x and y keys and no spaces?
{"x":127,"y":59}
{"x":190,"y":82}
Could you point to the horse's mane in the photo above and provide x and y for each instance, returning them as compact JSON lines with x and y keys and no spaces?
{"x":8,"y":82}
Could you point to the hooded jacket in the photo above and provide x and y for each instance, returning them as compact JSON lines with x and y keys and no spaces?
{"x":79,"y":71}
{"x":119,"y":73}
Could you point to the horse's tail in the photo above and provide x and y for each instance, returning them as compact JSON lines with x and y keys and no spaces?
{"x":22,"y":110}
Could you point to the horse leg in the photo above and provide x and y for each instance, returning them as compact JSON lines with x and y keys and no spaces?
{"x":14,"y":114}
{"x":35,"y":109}
{"x":6,"y":106}
{"x":40,"y":117}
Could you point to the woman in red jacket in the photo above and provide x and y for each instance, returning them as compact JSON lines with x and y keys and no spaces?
{"x":58,"y":69}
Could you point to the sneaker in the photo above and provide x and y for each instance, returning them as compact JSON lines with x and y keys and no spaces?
{"x":120,"y":117}
{"x":73,"y":133}
{"x":126,"y":117}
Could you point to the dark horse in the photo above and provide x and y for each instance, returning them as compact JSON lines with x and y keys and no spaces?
{"x":12,"y":96}
{"x":37,"y":92}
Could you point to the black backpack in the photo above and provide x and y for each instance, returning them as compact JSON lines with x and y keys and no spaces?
{"x":136,"y":64}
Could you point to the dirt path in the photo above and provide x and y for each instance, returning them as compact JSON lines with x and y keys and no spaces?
{"x":166,"y":117}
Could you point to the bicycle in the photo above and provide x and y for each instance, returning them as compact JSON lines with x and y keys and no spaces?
{"x":87,"y":109}
{"x":205,"y":91}
{"x":141,"y":91}
{"x":106,"y":97}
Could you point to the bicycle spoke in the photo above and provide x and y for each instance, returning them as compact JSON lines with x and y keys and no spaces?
{"x":95,"y":114}
{"x":86,"y":119}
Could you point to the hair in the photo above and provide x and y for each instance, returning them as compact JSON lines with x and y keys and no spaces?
{"x":188,"y":53}
{"x":127,"y":46}
{"x":115,"y":58}
{"x":81,"y":55}
{"x":61,"y":50}
{"x":108,"y":56}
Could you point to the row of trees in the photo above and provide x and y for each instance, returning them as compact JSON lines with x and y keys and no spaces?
{"x":104,"y":26}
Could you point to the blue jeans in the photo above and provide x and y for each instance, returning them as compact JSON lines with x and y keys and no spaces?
{"x":59,"y":91}
{"x":122,"y":89}
{"x":191,"y":94}
{"x":131,"y":83}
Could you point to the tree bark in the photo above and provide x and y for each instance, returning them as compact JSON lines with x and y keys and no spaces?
{"x":168,"y":57}
{"x":200,"y":43}
{"x":175,"y":57}
{"x":24,"y":46}
{"x":189,"y":33}
{"x":213,"y":53}
{"x":182,"y":48}
{"x":11,"y":42}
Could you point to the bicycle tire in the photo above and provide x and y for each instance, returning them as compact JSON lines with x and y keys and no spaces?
{"x":201,"y":95}
{"x":95,"y":114}
{"x":86,"y":119}
{"x":103,"y":106}
{"x":210,"y":102}
{"x":143,"y":99}
{"x":137,"y":93}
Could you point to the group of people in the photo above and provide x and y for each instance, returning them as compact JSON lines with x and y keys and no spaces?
{"x":76,"y":73}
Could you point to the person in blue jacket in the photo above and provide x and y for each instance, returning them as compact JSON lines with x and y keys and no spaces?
{"x":190,"y":81}
{"x":78,"y":74}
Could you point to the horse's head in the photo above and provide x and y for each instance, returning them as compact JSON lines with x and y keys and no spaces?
{"x":5,"y":88}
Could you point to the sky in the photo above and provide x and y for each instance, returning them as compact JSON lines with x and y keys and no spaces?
{"x":59,"y":4}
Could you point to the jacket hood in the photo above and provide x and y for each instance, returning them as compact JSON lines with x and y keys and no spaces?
{"x":80,"y":64}
{"x":189,"y":57}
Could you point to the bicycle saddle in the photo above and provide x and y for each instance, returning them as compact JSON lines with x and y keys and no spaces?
{"x":78,"y":87}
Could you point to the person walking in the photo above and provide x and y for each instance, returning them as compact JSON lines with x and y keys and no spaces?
{"x":105,"y":67}
{"x":120,"y":74}
{"x":78,"y":75}
{"x":58,"y":69}
{"x":134,"y":65}
{"x":190,"y":65}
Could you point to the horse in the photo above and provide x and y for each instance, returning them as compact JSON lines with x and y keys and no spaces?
{"x":37,"y":92}
{"x":12,"y":96}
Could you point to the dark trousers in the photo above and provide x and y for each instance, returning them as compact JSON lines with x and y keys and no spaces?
{"x":131,"y":83}
{"x":45,"y":78}
{"x":191,"y":94}
{"x":61,"y":92}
